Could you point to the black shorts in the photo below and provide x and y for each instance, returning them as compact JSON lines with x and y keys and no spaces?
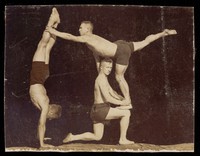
{"x":39,"y":72}
{"x":99,"y":112}
{"x":123,"y":53}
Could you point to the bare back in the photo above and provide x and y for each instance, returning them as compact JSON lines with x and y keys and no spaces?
{"x":100,"y":46}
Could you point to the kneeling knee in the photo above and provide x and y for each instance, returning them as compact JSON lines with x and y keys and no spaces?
{"x":98,"y":138}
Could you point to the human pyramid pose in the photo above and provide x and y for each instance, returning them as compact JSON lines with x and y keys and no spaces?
{"x":119,"y":50}
{"x":39,"y":74}
{"x":102,"y":50}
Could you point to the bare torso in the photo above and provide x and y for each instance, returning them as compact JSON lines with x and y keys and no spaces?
{"x":98,"y":97}
{"x":101,"y":46}
{"x":37,"y":91}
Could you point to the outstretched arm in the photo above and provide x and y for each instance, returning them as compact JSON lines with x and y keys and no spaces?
{"x":65,"y":36}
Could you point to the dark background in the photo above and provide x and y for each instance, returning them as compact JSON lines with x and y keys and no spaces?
{"x":160,"y":76}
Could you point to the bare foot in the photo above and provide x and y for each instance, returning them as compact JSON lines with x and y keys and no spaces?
{"x":55,"y":16}
{"x":46,"y":146}
{"x":169,"y":32}
{"x":68,"y":138}
{"x":126,"y":142}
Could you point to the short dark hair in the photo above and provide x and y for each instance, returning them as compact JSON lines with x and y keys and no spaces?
{"x":107,"y":60}
{"x":89,"y":23}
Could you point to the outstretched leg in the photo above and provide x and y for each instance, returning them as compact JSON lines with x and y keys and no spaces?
{"x":87,"y":136}
{"x":141,"y":44}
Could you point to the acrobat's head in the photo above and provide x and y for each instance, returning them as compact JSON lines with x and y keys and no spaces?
{"x":55,"y":111}
{"x":86,"y":27}
{"x":106,"y":66}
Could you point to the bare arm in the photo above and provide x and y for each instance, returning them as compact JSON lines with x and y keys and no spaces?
{"x":42,"y":126}
{"x":105,"y":92}
{"x":66,"y":36}
{"x":115,"y":94}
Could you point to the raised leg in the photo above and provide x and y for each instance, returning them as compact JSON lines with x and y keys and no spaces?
{"x":48,"y":48}
{"x":151,"y":38}
{"x":47,"y":42}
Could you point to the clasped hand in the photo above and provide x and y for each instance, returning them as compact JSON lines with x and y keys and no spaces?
{"x":50,"y":30}
{"x":126,"y":102}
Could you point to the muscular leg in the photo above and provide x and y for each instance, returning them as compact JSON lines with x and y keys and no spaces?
{"x":115,"y":113}
{"x":41,"y":54}
{"x":52,"y":38}
{"x":119,"y":75}
{"x":41,"y":48}
{"x":48,"y":48}
{"x":87,"y":136}
{"x":141,"y":44}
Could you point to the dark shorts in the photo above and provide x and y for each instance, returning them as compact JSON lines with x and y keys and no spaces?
{"x":39,"y":72}
{"x":99,"y":112}
{"x":123,"y":53}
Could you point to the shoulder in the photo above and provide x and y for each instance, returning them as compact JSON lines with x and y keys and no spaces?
{"x":98,"y":79}
{"x":85,"y":38}
{"x":102,"y":81}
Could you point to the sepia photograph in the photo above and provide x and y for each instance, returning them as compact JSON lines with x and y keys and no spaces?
{"x":99,"y":78}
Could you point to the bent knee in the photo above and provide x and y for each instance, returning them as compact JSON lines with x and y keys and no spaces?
{"x":128,"y":113}
{"x":98,"y":138}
